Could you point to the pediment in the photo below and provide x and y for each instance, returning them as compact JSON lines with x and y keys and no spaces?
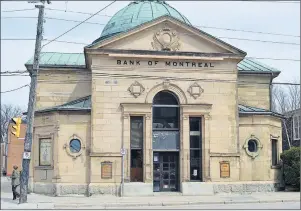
{"x":166,"y":33}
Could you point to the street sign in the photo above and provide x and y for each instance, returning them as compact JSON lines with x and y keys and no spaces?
{"x":123,"y":151}
{"x":26,"y":155}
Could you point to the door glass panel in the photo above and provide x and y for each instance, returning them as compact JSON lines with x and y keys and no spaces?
{"x":166,"y":140}
{"x":156,"y":186}
{"x":165,"y":175}
{"x":165,"y":166}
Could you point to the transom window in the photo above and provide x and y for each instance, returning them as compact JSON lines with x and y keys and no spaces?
{"x":165,"y":112}
{"x":296,"y":127}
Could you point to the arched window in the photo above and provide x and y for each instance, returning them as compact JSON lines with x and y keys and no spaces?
{"x":165,"y":98}
{"x":165,"y":111}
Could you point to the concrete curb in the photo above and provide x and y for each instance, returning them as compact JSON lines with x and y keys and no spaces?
{"x":151,"y":204}
{"x":49,"y":205}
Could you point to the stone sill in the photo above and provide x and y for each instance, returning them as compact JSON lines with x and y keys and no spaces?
{"x":104,"y":154}
{"x":43,"y":167}
{"x":224,"y":155}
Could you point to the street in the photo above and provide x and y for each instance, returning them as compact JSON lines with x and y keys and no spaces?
{"x":96,"y":202}
{"x":259,"y":206}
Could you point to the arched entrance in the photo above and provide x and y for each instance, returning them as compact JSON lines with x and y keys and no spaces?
{"x":166,"y":141}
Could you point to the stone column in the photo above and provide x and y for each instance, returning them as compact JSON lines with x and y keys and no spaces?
{"x":185,"y":149}
{"x":206,"y":150}
{"x":148,"y":151}
{"x":127,"y":146}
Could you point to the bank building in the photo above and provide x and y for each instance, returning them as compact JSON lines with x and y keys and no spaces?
{"x":154,"y":105}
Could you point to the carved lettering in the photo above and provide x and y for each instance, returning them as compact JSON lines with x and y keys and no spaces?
{"x":119,"y":62}
{"x":167,"y":63}
{"x":132,"y":62}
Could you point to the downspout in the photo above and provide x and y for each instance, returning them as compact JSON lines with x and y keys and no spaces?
{"x":122,"y":154}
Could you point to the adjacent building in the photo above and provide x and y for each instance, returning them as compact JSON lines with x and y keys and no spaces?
{"x":291,"y":129}
{"x":154,"y":105}
{"x":14,"y":148}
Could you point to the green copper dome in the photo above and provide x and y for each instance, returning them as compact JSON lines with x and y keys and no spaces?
{"x":137,"y":13}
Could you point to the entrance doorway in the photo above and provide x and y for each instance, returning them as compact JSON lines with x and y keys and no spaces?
{"x":166,"y":171}
{"x":166,"y":141}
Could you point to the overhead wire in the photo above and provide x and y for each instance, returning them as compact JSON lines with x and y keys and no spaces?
{"x":143,"y":76}
{"x":12,"y":90}
{"x":79,"y":23}
{"x":198,"y":26}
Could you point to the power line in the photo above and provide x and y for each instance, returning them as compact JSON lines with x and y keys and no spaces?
{"x":21,"y":10}
{"x":233,"y":38}
{"x":83,"y":13}
{"x":15,"y":89}
{"x":128,"y":76}
{"x":70,"y":42}
{"x":198,"y":26}
{"x":79,"y":23}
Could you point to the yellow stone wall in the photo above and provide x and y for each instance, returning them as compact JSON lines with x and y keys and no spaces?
{"x":221,"y":133}
{"x":59,"y":86}
{"x":263,"y":128}
{"x":254,"y":91}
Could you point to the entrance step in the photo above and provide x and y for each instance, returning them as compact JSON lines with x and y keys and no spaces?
{"x":168,"y":194}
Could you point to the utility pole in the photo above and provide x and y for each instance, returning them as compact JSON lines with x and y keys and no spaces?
{"x":31,"y":106}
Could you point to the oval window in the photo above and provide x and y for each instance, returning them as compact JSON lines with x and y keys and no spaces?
{"x":75,"y":146}
{"x":252,"y":145}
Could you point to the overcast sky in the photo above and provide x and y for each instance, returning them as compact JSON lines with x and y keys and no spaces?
{"x":271,"y":17}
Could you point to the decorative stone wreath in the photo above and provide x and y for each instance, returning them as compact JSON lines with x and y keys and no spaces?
{"x":67,"y":147}
{"x":258,"y":146}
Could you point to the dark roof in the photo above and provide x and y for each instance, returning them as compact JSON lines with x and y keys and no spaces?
{"x":81,"y":104}
{"x":249,"y":110}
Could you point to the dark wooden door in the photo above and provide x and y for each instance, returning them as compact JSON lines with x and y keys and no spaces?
{"x":166,"y":171}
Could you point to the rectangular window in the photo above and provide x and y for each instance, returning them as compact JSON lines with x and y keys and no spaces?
{"x":296,"y":127}
{"x":137,"y":137}
{"x":195,"y":134}
{"x":45,"y":152}
{"x":274,"y":152}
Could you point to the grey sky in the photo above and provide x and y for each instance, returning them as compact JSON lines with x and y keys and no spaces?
{"x":271,"y":17}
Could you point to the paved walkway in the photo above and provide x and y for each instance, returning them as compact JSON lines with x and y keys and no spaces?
{"x":36,"y":201}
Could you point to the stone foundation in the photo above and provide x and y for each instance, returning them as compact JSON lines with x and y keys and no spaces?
{"x":146,"y":189}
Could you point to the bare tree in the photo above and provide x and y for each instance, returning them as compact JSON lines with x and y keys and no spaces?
{"x":7,"y":112}
{"x":294,"y":97}
{"x":285,"y":99}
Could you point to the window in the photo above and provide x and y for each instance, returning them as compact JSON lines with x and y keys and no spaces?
{"x":45,"y":152}
{"x":296,"y":127}
{"x":136,"y":148}
{"x":195,"y":148}
{"x":274,"y":153}
{"x":252,"y":145}
{"x":75,"y":146}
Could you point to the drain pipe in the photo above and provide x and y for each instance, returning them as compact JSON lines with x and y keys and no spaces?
{"x":122,"y":154}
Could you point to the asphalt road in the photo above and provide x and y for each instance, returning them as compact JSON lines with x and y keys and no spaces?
{"x":245,"y":206}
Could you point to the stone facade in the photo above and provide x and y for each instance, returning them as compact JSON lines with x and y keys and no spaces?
{"x":205,"y":86}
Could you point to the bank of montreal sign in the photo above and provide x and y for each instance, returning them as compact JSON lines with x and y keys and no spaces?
{"x":155,"y":63}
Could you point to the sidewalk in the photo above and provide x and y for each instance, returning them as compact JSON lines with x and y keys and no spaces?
{"x":36,"y":201}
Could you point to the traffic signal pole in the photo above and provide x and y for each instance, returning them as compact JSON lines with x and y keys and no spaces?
{"x":31,"y":108}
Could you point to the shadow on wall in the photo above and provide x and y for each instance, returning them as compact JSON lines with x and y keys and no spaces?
{"x":82,"y":88}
